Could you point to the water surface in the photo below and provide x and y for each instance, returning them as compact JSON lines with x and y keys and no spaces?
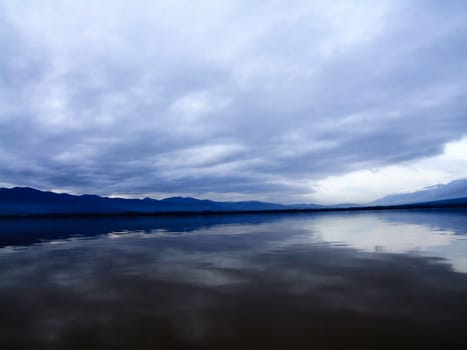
{"x":323,"y":281}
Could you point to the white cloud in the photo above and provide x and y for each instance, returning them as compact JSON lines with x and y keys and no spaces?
{"x":366,"y":185}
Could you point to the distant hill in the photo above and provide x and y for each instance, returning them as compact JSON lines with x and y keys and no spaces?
{"x":25,"y":201}
{"x":452,"y":201}
{"x":454,"y":189}
{"x":29,"y":201}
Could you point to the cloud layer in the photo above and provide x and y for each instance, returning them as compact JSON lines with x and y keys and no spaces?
{"x":225,"y":99}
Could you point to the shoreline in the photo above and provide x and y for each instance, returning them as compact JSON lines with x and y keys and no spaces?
{"x":240,"y":212}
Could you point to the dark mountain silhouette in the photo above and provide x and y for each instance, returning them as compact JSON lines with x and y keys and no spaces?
{"x":25,"y":201}
{"x":29,"y":201}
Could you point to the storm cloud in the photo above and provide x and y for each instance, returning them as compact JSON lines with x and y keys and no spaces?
{"x":227,"y":99}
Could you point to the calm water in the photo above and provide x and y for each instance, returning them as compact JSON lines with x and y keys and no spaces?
{"x":323,"y":281}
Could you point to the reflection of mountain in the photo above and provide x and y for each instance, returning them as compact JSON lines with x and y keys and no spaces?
{"x":454,"y":189}
{"x":27,"y":231}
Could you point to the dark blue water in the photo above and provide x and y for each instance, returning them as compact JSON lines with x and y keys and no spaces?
{"x":366,"y":280}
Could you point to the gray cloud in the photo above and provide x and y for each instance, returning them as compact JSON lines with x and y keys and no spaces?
{"x":223,"y":97}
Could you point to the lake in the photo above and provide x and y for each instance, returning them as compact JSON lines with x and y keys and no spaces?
{"x":367,"y":280}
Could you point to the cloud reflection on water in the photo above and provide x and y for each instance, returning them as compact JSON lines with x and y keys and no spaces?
{"x":293,"y":281}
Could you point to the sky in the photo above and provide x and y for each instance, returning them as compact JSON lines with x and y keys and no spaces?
{"x":284,"y":101}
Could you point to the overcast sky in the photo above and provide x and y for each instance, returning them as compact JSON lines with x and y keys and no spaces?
{"x":287,"y":101}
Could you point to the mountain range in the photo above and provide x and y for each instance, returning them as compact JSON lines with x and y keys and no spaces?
{"x":29,"y":201}
{"x":24,"y":201}
{"x":453,"y":189}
